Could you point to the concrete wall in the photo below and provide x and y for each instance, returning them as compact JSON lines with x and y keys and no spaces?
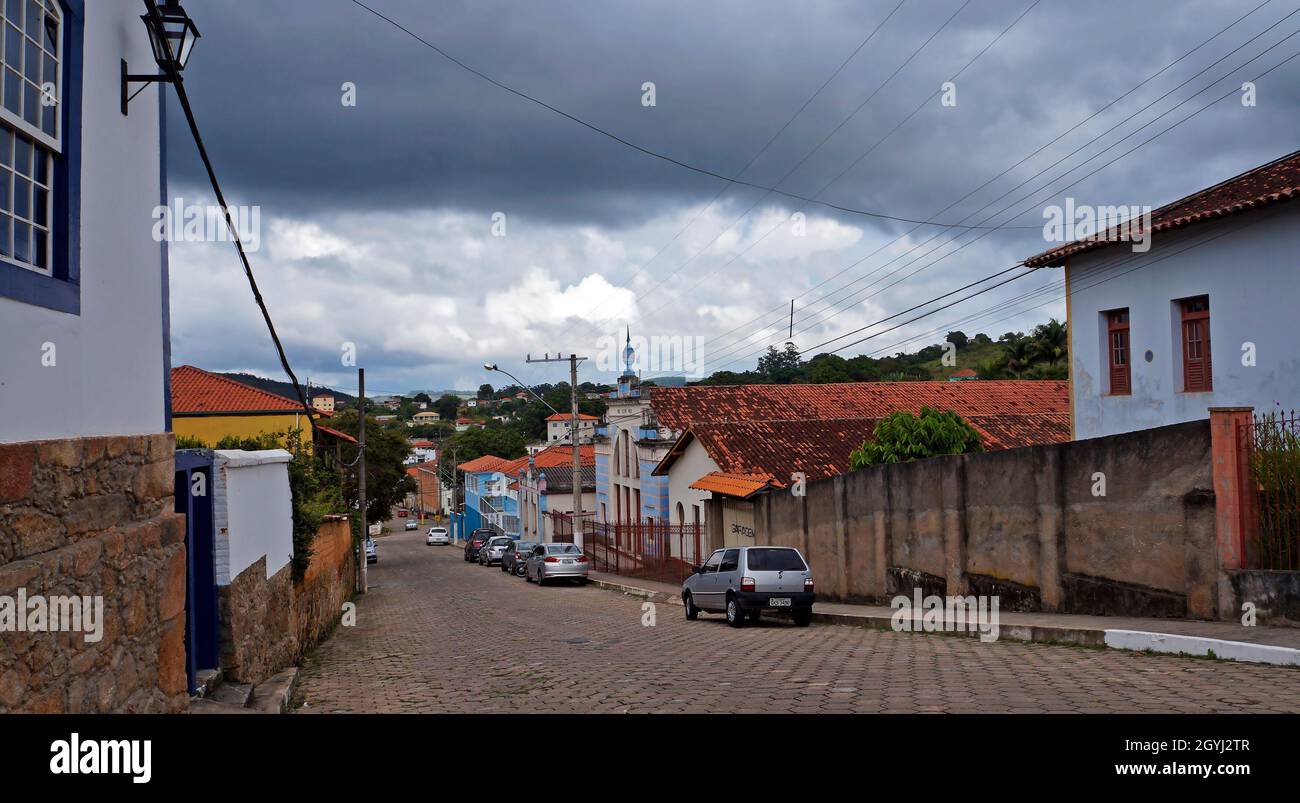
{"x":1250,"y":302}
{"x":1023,"y":524}
{"x":108,"y":378}
{"x":693,"y":463}
{"x":253,"y":512}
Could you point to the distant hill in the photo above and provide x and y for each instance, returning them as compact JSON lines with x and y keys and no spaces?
{"x":282,"y":388}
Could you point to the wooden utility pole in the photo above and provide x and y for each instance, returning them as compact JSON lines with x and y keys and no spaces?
{"x":361,"y":475}
{"x":574,"y":431}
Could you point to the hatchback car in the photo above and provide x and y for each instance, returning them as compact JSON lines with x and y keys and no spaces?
{"x":742,"y":582}
{"x":412,"y":524}
{"x":556,"y":562}
{"x":492,"y":551}
{"x":515,"y":556}
{"x":476,"y":541}
{"x":438,"y":536}
{"x":372,"y":550}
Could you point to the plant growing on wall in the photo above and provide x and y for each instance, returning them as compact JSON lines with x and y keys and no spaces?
{"x":901,"y":437}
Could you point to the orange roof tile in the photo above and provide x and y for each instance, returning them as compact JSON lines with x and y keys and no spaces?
{"x":740,"y":485}
{"x":1261,"y":186}
{"x":196,"y":391}
{"x":340,"y":435}
{"x":569,"y":417}
{"x":822,"y":448}
{"x":680,"y":408}
{"x":484,"y":464}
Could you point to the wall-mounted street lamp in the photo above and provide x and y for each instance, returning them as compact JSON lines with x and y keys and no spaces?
{"x":172,"y":35}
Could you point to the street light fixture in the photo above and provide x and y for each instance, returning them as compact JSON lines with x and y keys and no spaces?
{"x":172,"y":35}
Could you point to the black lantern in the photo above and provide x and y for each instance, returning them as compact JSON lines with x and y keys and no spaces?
{"x":173,"y":44}
{"x":172,"y":35}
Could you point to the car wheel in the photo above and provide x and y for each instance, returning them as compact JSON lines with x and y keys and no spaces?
{"x":528,"y":578}
{"x":802,"y":617}
{"x":692,"y":612}
{"x":735,"y":615}
{"x":541,"y":578}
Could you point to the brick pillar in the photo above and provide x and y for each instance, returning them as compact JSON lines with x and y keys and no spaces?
{"x":1228,"y":426}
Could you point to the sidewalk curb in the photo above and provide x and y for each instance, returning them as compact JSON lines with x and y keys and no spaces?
{"x":1131,"y":640}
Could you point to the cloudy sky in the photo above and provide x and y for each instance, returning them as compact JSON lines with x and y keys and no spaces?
{"x":382,"y":223}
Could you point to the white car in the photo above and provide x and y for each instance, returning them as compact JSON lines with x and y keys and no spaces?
{"x":412,"y":524}
{"x":438,"y":536}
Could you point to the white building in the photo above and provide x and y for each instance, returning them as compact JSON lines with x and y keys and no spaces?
{"x":559,"y":425}
{"x":85,"y":348}
{"x":1204,"y":318}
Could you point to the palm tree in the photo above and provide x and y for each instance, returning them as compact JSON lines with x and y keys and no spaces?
{"x":1051,"y":342}
{"x":1019,"y":356}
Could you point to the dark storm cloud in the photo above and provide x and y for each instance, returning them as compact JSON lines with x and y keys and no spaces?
{"x":426,"y":134}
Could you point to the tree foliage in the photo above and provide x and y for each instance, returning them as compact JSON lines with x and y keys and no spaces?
{"x":901,"y":437}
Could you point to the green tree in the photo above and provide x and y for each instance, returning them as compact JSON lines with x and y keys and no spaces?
{"x":1051,"y":342}
{"x":447,"y":406}
{"x":422,"y":397}
{"x":958,"y":339}
{"x":1019,"y":356}
{"x":901,"y":437}
{"x":781,"y":367}
{"x":485,"y":391}
{"x":387,"y":482}
{"x":826,"y":368}
{"x":501,"y":441}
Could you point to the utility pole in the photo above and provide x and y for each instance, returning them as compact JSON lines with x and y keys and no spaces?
{"x":361,"y":475}
{"x":573,"y":360}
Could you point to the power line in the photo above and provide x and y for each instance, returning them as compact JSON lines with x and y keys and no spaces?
{"x":640,"y":148}
{"x":1121,"y":156}
{"x":1008,"y":169}
{"x":173,"y":73}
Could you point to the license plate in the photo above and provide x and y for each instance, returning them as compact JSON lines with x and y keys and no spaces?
{"x":567,"y":562}
{"x":778,"y":602}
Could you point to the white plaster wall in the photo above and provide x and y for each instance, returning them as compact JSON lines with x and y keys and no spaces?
{"x":689,"y":467}
{"x":255,"y":512}
{"x":1253,"y":281}
{"x":109,"y":374}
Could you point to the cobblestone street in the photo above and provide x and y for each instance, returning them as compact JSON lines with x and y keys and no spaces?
{"x":436,"y":634}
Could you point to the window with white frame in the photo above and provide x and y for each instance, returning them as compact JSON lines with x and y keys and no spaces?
{"x":30,"y":139}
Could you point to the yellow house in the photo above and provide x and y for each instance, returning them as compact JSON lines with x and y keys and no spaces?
{"x":211,"y":407}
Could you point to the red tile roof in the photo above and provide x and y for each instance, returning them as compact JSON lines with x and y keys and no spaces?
{"x":546,"y":458}
{"x":679,"y":408}
{"x":1262,"y":186}
{"x":197,"y":391}
{"x":738,"y":485}
{"x":343,"y":436}
{"x":773,"y":450}
{"x":569,"y":417}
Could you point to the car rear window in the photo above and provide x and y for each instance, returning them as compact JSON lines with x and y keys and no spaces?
{"x":775,"y":560}
{"x":563,"y":549}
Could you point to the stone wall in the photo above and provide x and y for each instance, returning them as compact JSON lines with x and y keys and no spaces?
{"x":93,"y":517}
{"x":329,"y":581}
{"x":268,"y":622}
{"x":1024,"y":524}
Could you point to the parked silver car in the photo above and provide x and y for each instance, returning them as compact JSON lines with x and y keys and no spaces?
{"x":556,"y":562}
{"x":742,"y":582}
{"x":492,"y":551}
{"x":515,"y":556}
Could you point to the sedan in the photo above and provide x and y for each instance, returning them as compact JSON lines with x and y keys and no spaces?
{"x":372,"y":550}
{"x":556,"y":562}
{"x":493,"y":550}
{"x":412,"y":524}
{"x":476,"y":541}
{"x":515,"y":556}
{"x":438,"y":536}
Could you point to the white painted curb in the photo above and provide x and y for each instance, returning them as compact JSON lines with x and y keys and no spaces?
{"x":1199,"y":645}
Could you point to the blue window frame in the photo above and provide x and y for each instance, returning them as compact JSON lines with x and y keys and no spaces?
{"x":41,"y":48}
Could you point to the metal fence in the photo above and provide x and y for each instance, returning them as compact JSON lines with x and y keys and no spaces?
{"x":1272,"y":513}
{"x":648,"y":550}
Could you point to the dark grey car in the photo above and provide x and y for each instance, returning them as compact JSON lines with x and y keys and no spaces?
{"x":515,"y":556}
{"x":742,"y":582}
